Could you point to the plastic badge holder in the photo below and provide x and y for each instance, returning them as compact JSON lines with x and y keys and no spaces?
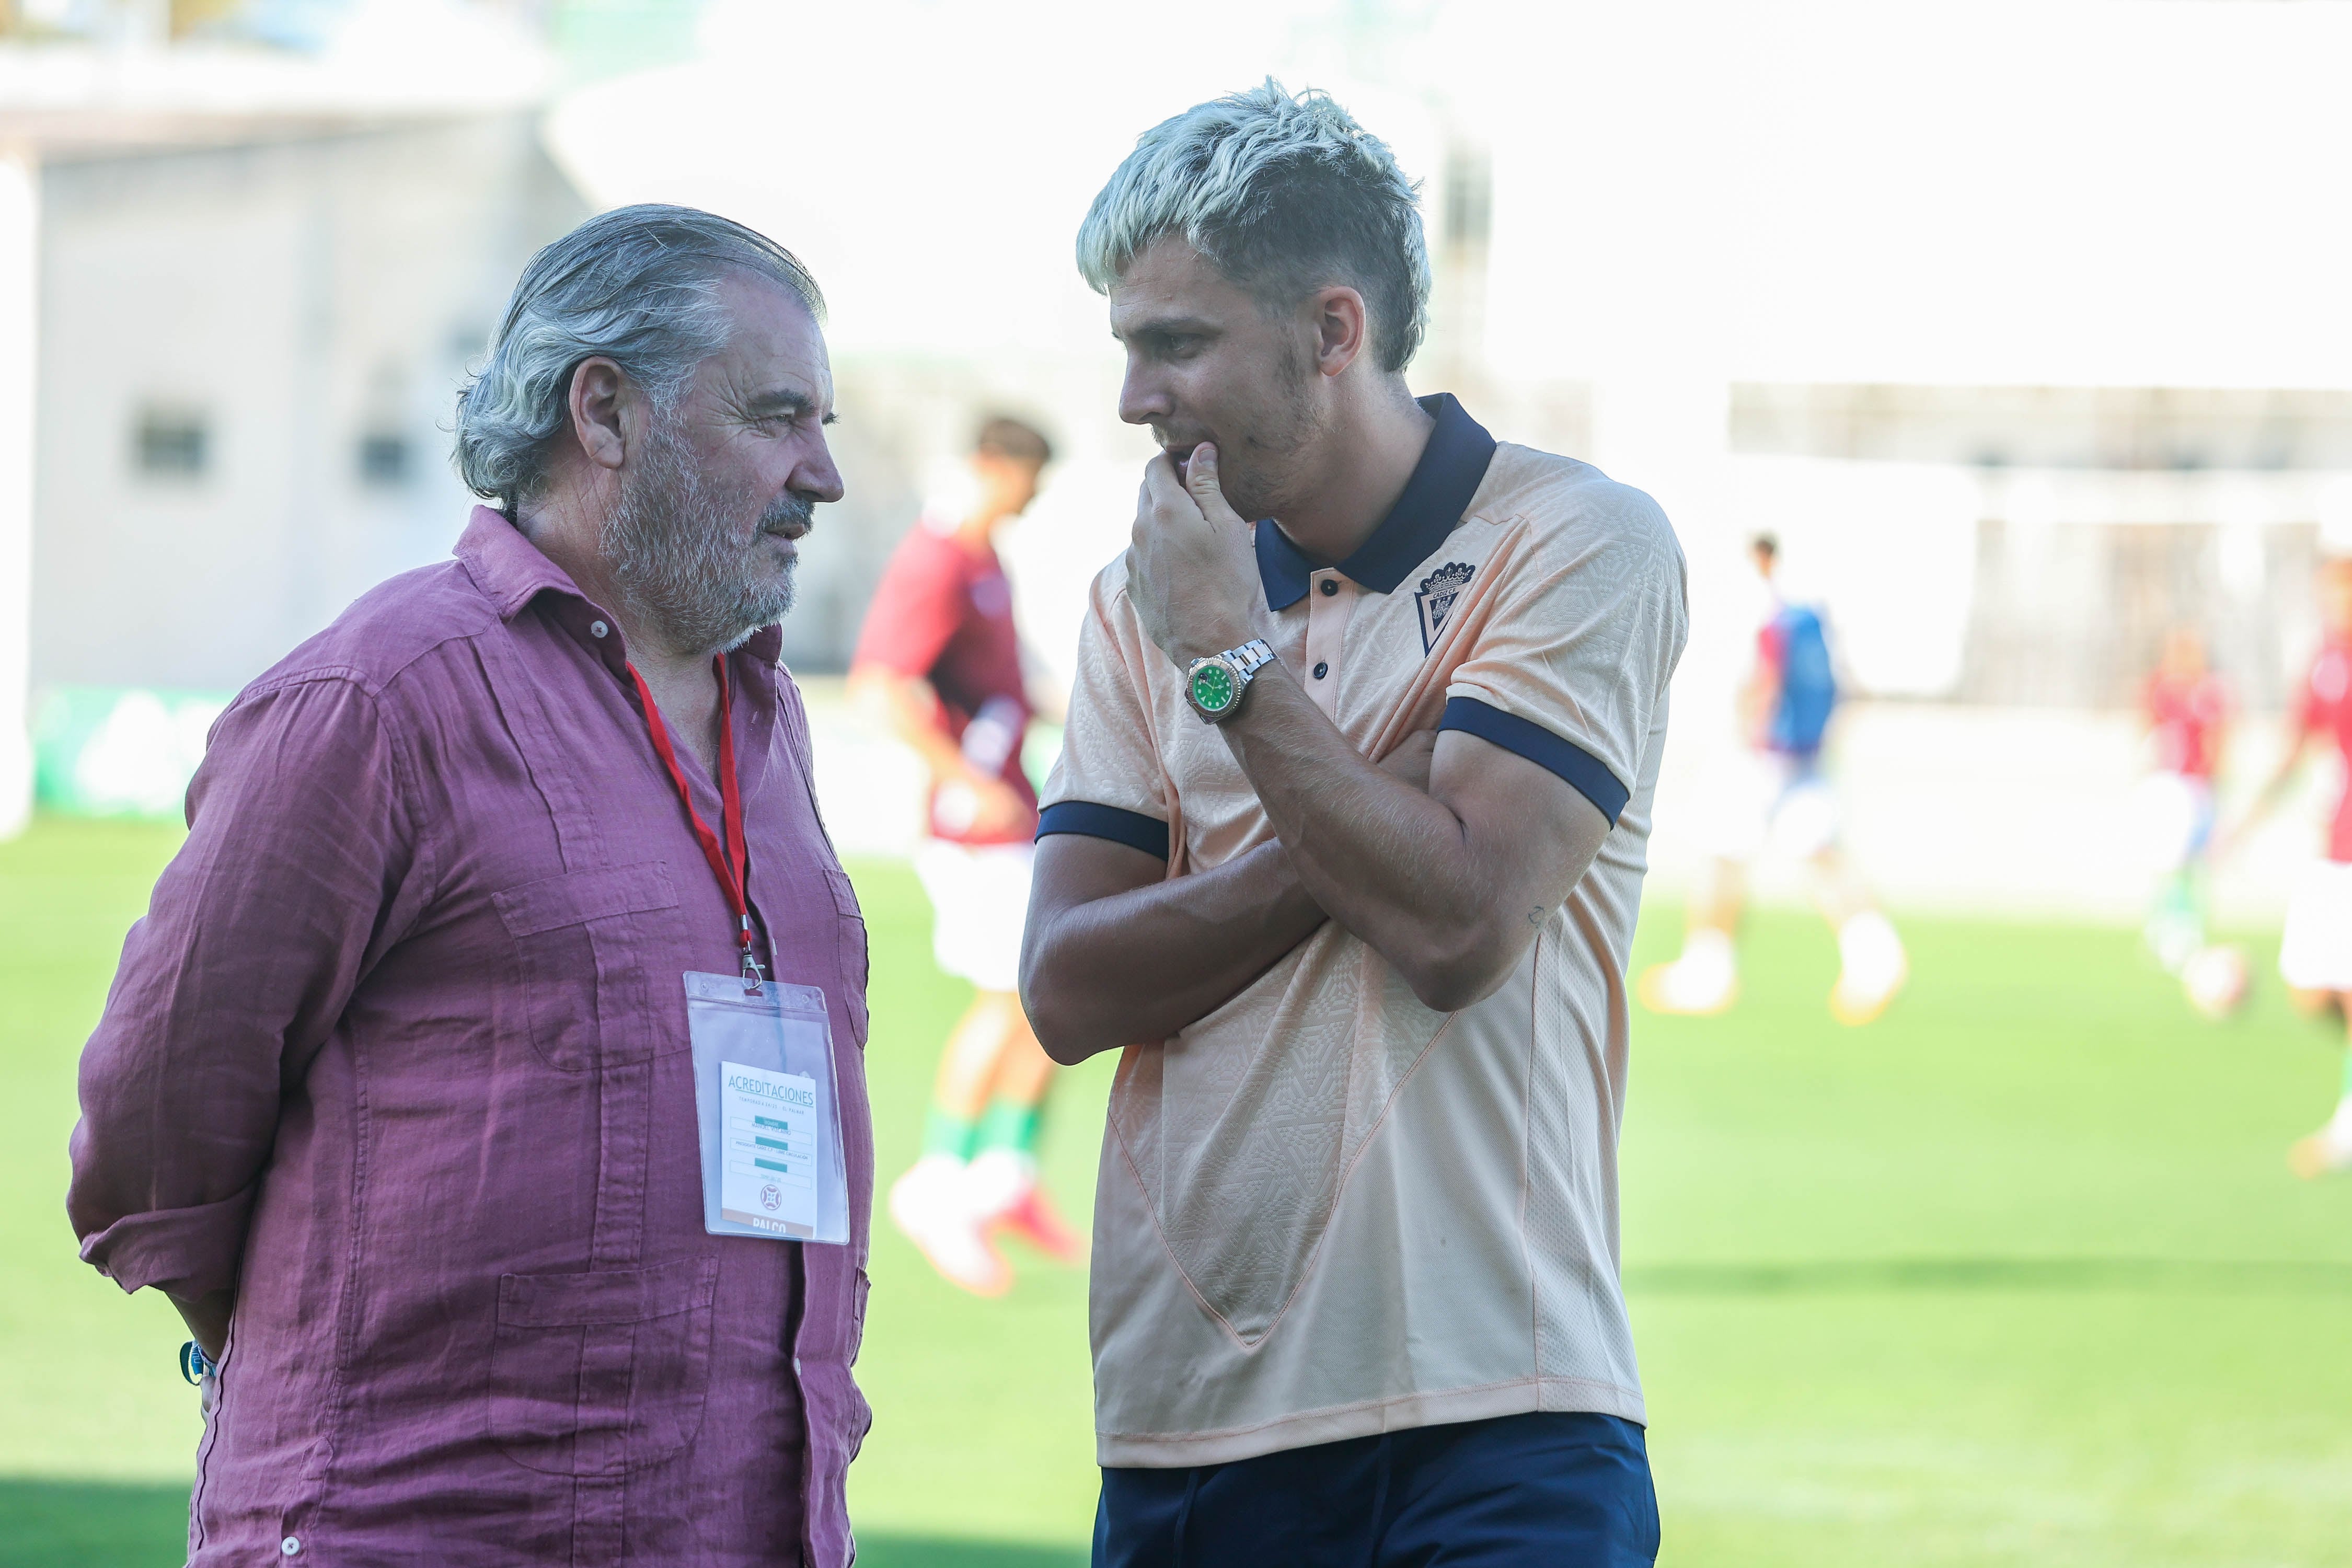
{"x":769,"y":1109}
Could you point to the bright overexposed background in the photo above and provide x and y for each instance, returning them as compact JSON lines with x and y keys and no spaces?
{"x":2023,"y":326}
{"x":1931,"y":291}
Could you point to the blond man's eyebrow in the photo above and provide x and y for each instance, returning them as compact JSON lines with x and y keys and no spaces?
{"x":1163,"y":327}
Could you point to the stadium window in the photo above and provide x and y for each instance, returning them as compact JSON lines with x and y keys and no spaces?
{"x":171,"y":444}
{"x":1469,"y":210}
{"x":383,"y":460}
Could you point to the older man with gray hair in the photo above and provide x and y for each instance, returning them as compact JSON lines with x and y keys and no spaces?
{"x":410,"y":1090}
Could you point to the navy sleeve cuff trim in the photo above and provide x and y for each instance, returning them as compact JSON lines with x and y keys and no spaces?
{"x":1131,"y":828}
{"x":1584,"y":772}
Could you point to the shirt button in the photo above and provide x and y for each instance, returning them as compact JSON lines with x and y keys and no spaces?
{"x":1330,"y":586}
{"x":290,"y":1546}
{"x":1321,"y":670}
{"x":597,"y":628}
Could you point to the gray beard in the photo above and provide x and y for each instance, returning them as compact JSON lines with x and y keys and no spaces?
{"x":682,"y":560}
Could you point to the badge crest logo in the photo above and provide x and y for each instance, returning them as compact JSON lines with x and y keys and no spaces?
{"x":1435,"y":599}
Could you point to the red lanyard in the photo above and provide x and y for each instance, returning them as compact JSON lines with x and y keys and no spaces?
{"x":727,"y":860}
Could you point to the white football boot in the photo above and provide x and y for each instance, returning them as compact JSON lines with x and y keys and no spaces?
{"x":1704,"y":980}
{"x":1872,"y":967}
{"x":932,"y":1204}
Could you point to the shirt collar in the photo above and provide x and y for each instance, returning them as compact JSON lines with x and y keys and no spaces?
{"x":506,"y":566}
{"x":1452,"y":468}
{"x":510,"y":569}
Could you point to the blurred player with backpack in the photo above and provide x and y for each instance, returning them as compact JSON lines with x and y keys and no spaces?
{"x":1778,"y":799}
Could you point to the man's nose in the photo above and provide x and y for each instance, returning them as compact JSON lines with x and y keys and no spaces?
{"x":817,"y":476}
{"x":1142,"y":397}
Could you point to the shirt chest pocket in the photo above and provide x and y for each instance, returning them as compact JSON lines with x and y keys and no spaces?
{"x":602,"y":1373}
{"x":581,"y":940}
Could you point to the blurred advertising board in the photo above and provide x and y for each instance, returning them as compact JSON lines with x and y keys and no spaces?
{"x":111,"y":750}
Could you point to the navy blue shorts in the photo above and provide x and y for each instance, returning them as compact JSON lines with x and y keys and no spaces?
{"x":1568,"y":1490}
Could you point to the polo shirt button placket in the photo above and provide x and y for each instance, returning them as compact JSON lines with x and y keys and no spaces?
{"x":1327,"y":610}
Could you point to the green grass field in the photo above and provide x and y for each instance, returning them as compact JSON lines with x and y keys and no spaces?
{"x":2016,"y":1276}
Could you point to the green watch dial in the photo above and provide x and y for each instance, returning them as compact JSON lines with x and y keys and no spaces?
{"x":1213,"y":687}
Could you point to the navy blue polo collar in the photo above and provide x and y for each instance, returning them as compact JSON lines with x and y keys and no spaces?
{"x":1452,"y":468}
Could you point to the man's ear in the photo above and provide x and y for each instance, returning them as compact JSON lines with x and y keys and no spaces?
{"x":1336,"y":313}
{"x":606,"y":411}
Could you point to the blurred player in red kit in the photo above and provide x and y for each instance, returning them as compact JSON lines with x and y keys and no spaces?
{"x":939,"y":662}
{"x":2315,"y":951}
{"x":2187,"y":709}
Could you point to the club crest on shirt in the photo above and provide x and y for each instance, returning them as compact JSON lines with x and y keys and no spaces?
{"x":1435,"y":599}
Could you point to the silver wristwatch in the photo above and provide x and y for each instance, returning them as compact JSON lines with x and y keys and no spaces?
{"x":1215,"y":686}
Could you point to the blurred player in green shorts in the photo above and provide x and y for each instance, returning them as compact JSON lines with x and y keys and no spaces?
{"x":2316,"y":951}
{"x":938,"y":662}
{"x":2186,"y":706}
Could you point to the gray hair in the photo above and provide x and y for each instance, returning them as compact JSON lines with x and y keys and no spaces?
{"x":638,"y":286}
{"x":1285,"y":194}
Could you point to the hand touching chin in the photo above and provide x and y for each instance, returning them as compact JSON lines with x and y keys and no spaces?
{"x":1191,"y":564}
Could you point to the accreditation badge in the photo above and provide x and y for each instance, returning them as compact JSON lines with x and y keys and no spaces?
{"x":768,"y":1111}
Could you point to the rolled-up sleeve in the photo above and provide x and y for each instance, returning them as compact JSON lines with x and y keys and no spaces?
{"x":299,"y":859}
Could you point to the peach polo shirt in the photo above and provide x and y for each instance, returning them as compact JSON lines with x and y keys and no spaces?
{"x":1326,"y":1211}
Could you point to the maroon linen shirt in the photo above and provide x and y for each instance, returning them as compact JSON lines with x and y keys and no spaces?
{"x":400,"y":1051}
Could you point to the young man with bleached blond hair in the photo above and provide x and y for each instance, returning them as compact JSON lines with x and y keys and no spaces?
{"x":1343,"y":856}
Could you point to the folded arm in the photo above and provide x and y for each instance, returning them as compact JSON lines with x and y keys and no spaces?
{"x":1115,"y":954}
{"x":1448,"y":885}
